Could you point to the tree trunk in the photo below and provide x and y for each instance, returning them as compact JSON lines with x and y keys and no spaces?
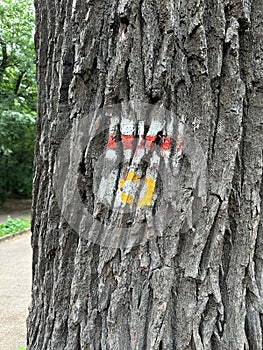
{"x":177,"y":264}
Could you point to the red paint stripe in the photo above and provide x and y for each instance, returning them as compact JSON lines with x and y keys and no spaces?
{"x":166,"y":143}
{"x":127,"y":141}
{"x":112,"y":142}
{"x":149,"y":144}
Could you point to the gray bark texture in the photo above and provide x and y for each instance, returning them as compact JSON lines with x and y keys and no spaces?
{"x":196,"y":283}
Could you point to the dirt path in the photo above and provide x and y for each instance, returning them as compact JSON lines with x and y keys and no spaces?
{"x":16,"y":208}
{"x":15,"y":289}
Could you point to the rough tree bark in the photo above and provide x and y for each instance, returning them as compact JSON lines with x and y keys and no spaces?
{"x":196,"y":285}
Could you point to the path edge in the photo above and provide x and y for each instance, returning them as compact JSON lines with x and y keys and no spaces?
{"x":13,"y":235}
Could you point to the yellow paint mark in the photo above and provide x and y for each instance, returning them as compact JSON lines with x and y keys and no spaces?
{"x":126,"y":198}
{"x":133,"y":177}
{"x":148,"y":194}
{"x":121,"y":183}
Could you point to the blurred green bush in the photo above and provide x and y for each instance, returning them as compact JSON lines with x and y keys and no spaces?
{"x":17,"y":132}
{"x":17,"y":97}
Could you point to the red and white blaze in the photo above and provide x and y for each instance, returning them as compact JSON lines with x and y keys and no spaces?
{"x":127,"y":138}
{"x":129,"y":183}
{"x":140,"y":148}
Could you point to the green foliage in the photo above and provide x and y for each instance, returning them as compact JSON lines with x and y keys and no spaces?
{"x":17,"y":132}
{"x":21,"y":348}
{"x":17,"y":56}
{"x":13,"y":226}
{"x":17,"y":97}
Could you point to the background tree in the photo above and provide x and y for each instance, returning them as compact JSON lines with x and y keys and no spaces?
{"x":195,"y":282}
{"x":18,"y":97}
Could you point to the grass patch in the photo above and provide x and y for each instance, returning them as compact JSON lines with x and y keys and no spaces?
{"x":21,"y":348}
{"x":13,"y":226}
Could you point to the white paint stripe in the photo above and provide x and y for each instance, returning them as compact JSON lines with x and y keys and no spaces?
{"x":111,"y":154}
{"x":113,"y":125}
{"x":141,"y":128}
{"x":127,"y":155}
{"x":155,"y":127}
{"x":140,"y":150}
{"x":153,"y":166}
{"x":107,"y":184}
{"x":169,"y":127}
{"x":127,"y":127}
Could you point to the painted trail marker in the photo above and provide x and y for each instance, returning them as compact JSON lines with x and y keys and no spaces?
{"x":131,"y":187}
{"x":135,"y":179}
